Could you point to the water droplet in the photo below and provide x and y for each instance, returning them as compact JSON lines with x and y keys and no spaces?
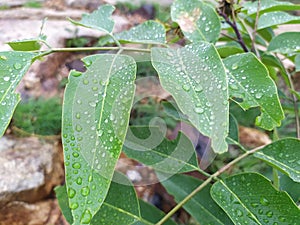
{"x":86,"y":217}
{"x":186,"y":87}
{"x":90,"y":179}
{"x":76,"y":73}
{"x":258,"y":95}
{"x":254,"y":205}
{"x":282,"y":219}
{"x":71,"y":193}
{"x":199,"y":110}
{"x":93,"y":104}
{"x":239,"y":213}
{"x":79,"y":180}
{"x":75,"y":154}
{"x":78,"y":128}
{"x":77,"y":116}
{"x":74,"y":205}
{"x":17,"y":66}
{"x":85,"y":81}
{"x":3,"y":57}
{"x":264,"y":201}
{"x":85,"y":191}
{"x":269,"y":214}
{"x":234,"y":66}
{"x":6,"y":78}
{"x":76,"y":165}
{"x":233,"y":87}
{"x":198,"y":88}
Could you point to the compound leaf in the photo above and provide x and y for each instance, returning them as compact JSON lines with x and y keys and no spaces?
{"x":96,"y":112}
{"x":197,"y":20}
{"x":284,"y":155}
{"x":148,"y":146}
{"x":250,"y":86}
{"x":100,"y":19}
{"x":13,"y":66}
{"x":250,"y":198}
{"x":285,"y":43}
{"x":195,"y":77}
{"x":201,"y":206}
{"x":276,"y":18}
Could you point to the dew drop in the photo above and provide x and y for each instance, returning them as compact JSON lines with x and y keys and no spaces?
{"x":282,"y":219}
{"x":264,"y":201}
{"x":76,"y":165}
{"x":86,"y":217}
{"x":78,"y":128}
{"x":85,"y":81}
{"x":85,"y":191}
{"x":239,"y":213}
{"x":17,"y":66}
{"x":186,"y":87}
{"x":79,"y":180}
{"x":6,"y":78}
{"x":71,"y":193}
{"x":234,"y":66}
{"x":233,"y":87}
{"x":199,"y":110}
{"x":74,"y":205}
{"x":269,"y":214}
{"x":92,"y":104}
{"x":77,"y":116}
{"x":258,"y":95}
{"x":3,"y":57}
{"x":198,"y":88}
{"x":75,"y":154}
{"x":76,"y":73}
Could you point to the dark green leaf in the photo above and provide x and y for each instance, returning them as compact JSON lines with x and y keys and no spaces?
{"x":276,"y":18}
{"x":227,"y":50}
{"x":285,"y":43}
{"x":148,"y":146}
{"x":196,"y":78}
{"x":251,"y":199}
{"x":250,"y":86}
{"x":25,"y":45}
{"x":149,"y":32}
{"x":291,"y":187}
{"x":201,"y":206}
{"x":62,"y":197}
{"x":284,"y":155}
{"x":13,"y":66}
{"x":197,"y":20}
{"x":233,"y":128}
{"x":96,"y":112}
{"x":99,"y":19}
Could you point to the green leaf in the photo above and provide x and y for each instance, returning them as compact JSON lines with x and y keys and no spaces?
{"x":284,"y":155}
{"x":285,"y":43}
{"x":233,"y":128}
{"x":121,"y":205}
{"x":291,"y":187}
{"x":26,"y":45}
{"x":13,"y":66}
{"x":195,"y":77}
{"x":201,"y":206}
{"x":197,"y":20}
{"x":149,"y":32}
{"x":148,"y":146}
{"x":99,"y":19}
{"x":227,"y":50}
{"x":276,"y":18}
{"x":269,"y":6}
{"x":250,"y":198}
{"x":96,"y":112}
{"x":250,"y":86}
{"x":62,"y":197}
{"x":297,"y":63}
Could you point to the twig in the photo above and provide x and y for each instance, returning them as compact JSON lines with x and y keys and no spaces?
{"x":236,"y":30}
{"x":206,"y":182}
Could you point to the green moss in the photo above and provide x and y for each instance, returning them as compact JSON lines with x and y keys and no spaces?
{"x":41,"y":116}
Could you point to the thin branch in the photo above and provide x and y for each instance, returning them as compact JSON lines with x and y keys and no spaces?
{"x":206,"y":182}
{"x":236,"y":30}
{"x":253,"y":48}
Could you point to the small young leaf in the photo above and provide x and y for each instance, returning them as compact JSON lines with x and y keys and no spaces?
{"x":99,"y":19}
{"x":149,"y":32}
{"x":251,"y":86}
{"x":269,"y":6}
{"x":148,"y":146}
{"x":13,"y":66}
{"x":284,"y":155}
{"x":196,"y":78}
{"x":201,"y":206}
{"x":197,"y":20}
{"x":96,"y":112}
{"x":285,"y":43}
{"x":25,"y":45}
{"x":251,"y":199}
{"x":276,"y":18}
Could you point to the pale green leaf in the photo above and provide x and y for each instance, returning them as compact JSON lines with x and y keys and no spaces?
{"x":251,"y":199}
{"x":284,"y":155}
{"x":149,"y":32}
{"x":148,"y":146}
{"x":99,"y":19}
{"x":197,"y":20}
{"x":269,"y":6}
{"x":201,"y":206}
{"x":285,"y":43}
{"x":13,"y":66}
{"x":196,"y":78}
{"x":96,"y":112}
{"x":250,"y":86}
{"x":25,"y":45}
{"x":297,"y":63}
{"x":276,"y":18}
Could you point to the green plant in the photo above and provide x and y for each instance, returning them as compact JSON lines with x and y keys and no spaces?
{"x":203,"y":77}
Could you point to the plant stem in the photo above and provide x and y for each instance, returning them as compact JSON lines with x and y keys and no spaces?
{"x":236,"y":30}
{"x":206,"y":182}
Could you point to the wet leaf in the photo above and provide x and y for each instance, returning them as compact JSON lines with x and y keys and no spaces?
{"x":13,"y":66}
{"x":149,"y":32}
{"x":100,"y":19}
{"x":227,"y":50}
{"x":269,"y":6}
{"x":276,"y":18}
{"x":284,"y":155}
{"x":250,"y":198}
{"x":148,"y":146}
{"x":196,"y":78}
{"x":250,"y":86}
{"x":297,"y":63}
{"x":96,"y":112}
{"x":26,"y":45}
{"x":201,"y":206}
{"x":285,"y":43}
{"x":197,"y":20}
{"x":62,"y":197}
